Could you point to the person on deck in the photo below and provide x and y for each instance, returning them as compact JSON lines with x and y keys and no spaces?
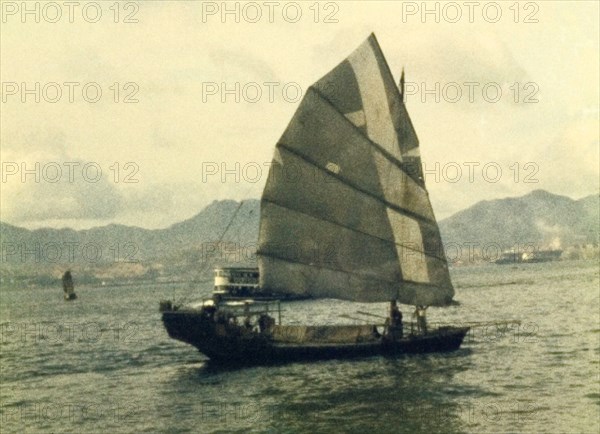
{"x":395,"y":329}
{"x":217,"y":299}
{"x":248,"y":318}
{"x":421,"y":319}
{"x":209,"y":311}
{"x":265,"y":323}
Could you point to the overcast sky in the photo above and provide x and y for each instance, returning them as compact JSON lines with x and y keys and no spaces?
{"x":158,"y":156}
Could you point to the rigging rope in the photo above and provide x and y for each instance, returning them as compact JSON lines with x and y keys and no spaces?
{"x":187,"y":297}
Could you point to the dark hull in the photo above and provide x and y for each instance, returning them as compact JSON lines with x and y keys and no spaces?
{"x":227,"y":344}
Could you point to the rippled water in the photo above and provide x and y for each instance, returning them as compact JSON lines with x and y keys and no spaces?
{"x":104,"y":364}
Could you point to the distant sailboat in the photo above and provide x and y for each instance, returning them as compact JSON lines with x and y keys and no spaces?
{"x":362,"y":230}
{"x":535,"y":256}
{"x":68,"y":287}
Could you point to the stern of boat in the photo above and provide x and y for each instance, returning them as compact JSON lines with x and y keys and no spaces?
{"x":443,"y":339}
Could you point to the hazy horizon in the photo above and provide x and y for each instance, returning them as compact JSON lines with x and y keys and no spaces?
{"x":57,"y":226}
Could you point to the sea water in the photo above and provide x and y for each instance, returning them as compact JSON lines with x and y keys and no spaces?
{"x":104,"y":363}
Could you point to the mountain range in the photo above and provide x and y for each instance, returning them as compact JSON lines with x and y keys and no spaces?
{"x":539,"y":218}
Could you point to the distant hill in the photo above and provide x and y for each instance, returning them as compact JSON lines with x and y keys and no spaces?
{"x":547,"y":220}
{"x":538,"y":217}
{"x":189,"y":249}
{"x":122,"y":243}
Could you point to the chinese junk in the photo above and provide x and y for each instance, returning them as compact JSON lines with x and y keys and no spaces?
{"x":365,"y":232}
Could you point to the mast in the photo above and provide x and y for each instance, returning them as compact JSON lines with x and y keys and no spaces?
{"x":402,"y":85}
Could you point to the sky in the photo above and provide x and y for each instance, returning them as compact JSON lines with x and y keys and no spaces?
{"x":143,"y":113}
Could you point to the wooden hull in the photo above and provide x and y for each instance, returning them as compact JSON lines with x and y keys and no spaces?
{"x":231,"y":344}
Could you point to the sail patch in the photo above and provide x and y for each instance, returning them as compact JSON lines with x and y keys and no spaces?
{"x":380,"y":127}
{"x":409,"y":247}
{"x":324,"y":135}
{"x":329,"y":197}
{"x":357,"y":118}
{"x":332,"y":167}
{"x":400,"y":189}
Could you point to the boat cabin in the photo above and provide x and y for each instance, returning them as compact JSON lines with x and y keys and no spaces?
{"x":236,"y":281}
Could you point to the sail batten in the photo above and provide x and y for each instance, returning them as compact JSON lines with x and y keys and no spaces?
{"x":360,"y":226}
{"x":317,"y":201}
{"x":411,"y":247}
{"x":353,"y":273}
{"x":356,"y":187}
{"x":296,"y":278}
{"x":350,"y":147}
{"x":412,"y":169}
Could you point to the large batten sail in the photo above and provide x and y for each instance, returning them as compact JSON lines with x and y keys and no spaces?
{"x":345,"y":213}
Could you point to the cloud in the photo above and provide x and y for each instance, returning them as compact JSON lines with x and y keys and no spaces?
{"x":58,"y":190}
